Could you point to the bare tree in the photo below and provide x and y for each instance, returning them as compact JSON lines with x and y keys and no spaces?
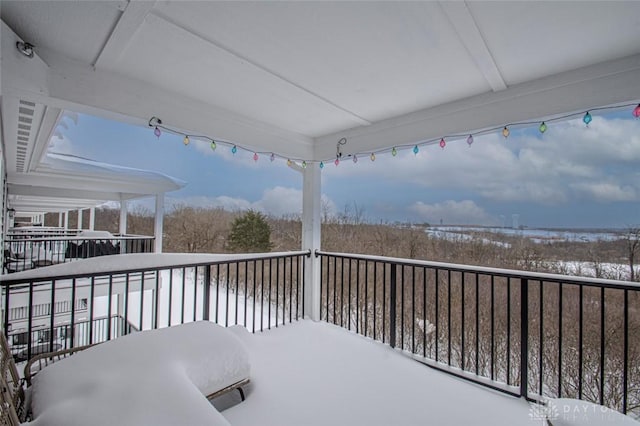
{"x":632,"y":238}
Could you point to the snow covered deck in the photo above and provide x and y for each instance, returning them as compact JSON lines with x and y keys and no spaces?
{"x":309,"y":373}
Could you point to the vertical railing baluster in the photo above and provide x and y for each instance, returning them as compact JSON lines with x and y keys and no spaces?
{"x":156,"y":301}
{"x":413,"y":309}
{"x":277,"y":287}
{"x":508,"y":330}
{"x":91,"y":314}
{"x":269,"y":305}
{"x":5,"y":323}
{"x":384,"y":300}
{"x":392,"y":305}
{"x":110,"y":293}
{"x":52,"y":312}
{"x":195,"y":293}
{"x":237,"y":290}
{"x":462,"y":314}
{"x":357,"y":295}
{"x":341,"y":291}
{"x":541,"y":342}
{"x":217,"y":309}
{"x":30,"y":321}
{"x":580,"y":336}
{"x":402,"y":307}
{"x":437,"y":302}
{"x":169,"y":301}
{"x":524,"y":337}
{"x":227,"y":288}
{"x":349,"y":297}
{"x":262,"y":296}
{"x":625,"y":355}
{"x":449,"y":317}
{"x":424,"y":312}
{"x":142,"y":278}
{"x":183,"y":297}
{"x":290,"y":259}
{"x":602,"y":343}
{"x":366,"y":298}
{"x":126,"y":304}
{"x":477,"y":343}
{"x":206,"y":294}
{"x":493,"y":325}
{"x":253,"y":319}
{"x":560,"y":298}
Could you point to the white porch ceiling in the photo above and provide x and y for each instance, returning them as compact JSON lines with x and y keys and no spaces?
{"x":294,"y":77}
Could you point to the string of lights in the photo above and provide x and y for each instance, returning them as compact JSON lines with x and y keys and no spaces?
{"x":543,"y":126}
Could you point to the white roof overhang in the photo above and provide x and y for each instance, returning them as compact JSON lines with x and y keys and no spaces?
{"x":294,"y":77}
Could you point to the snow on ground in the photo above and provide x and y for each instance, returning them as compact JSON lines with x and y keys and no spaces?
{"x":536,"y":235}
{"x":310,"y":374}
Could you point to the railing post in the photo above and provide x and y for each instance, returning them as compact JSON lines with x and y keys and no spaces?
{"x":392,"y":306}
{"x":524,"y":336}
{"x":206,"y":293}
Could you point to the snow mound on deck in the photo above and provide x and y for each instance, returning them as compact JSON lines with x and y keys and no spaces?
{"x":157,"y":377}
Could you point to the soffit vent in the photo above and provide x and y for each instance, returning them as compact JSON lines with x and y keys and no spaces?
{"x":25,"y":120}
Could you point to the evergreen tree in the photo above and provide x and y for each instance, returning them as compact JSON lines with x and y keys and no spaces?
{"x":250,"y":233}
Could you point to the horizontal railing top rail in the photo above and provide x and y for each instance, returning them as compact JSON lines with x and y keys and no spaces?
{"x":484,"y":270}
{"x":39,"y":239}
{"x":140,"y":262}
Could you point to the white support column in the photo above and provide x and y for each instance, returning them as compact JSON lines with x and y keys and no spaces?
{"x":159,"y":222}
{"x":123,"y":217}
{"x":60,"y":222}
{"x":311,"y":209}
{"x":66,"y":220}
{"x":92,"y":219}
{"x":79,"y":219}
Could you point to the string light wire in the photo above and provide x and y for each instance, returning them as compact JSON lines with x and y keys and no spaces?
{"x":157,"y":125}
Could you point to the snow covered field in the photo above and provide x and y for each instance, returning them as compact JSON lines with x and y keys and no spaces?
{"x":536,"y":235}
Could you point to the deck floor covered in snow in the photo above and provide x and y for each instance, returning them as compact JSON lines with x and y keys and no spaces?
{"x":310,"y":373}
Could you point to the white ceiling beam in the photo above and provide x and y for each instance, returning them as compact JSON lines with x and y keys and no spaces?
{"x":109,"y":184}
{"x":608,"y":83}
{"x":465,"y":25}
{"x":129,"y":22}
{"x":68,"y":84}
{"x":47,"y":126}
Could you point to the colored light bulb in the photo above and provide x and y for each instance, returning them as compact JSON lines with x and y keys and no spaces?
{"x":636,"y":111}
{"x":415,"y":150}
{"x":470,"y":140}
{"x":272,"y":157}
{"x":355,"y":158}
{"x":157,"y":132}
{"x":394,"y":151}
{"x":321,"y":165}
{"x":505,"y":132}
{"x":543,"y":127}
{"x":289,"y":162}
{"x":255,"y":156}
{"x":304,"y":164}
{"x":213,"y":145}
{"x":234,"y":149}
{"x":185,"y":141}
{"x":372,"y":157}
{"x":337,"y":161}
{"x":442,"y":143}
{"x":587,"y":118}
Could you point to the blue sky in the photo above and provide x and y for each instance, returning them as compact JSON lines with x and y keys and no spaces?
{"x":570,"y":176}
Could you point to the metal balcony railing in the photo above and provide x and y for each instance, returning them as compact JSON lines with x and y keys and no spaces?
{"x":258,"y":291}
{"x":23,"y":252}
{"x":528,"y":334}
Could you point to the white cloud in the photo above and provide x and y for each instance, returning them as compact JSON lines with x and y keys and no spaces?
{"x":277,"y":201}
{"x":452,"y":212}
{"x":548,"y":169}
